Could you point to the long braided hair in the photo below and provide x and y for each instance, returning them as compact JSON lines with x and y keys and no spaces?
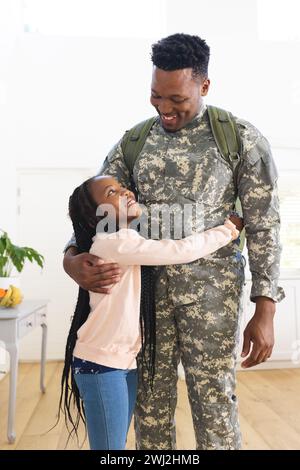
{"x":82,"y":211}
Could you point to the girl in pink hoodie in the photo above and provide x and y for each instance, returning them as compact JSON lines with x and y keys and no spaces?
{"x":108,"y":331}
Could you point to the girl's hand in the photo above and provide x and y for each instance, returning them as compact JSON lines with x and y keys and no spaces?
{"x":238,"y":221}
{"x":234,"y":232}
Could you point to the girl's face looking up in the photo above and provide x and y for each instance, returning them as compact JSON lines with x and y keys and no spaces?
{"x":105,"y":190}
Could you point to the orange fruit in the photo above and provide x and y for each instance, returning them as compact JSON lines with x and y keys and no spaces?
{"x":2,"y":293}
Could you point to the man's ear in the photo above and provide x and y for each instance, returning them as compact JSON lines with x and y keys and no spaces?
{"x":205,"y":86}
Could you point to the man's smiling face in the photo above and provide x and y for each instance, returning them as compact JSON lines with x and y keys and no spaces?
{"x":177,"y":96}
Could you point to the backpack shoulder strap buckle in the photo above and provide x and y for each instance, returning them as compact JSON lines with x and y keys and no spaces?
{"x":234,"y":157}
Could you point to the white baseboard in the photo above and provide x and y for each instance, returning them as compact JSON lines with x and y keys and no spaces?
{"x":264,"y":366}
{"x":271,"y":365}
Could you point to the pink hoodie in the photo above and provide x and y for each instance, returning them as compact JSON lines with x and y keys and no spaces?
{"x":111,"y":334}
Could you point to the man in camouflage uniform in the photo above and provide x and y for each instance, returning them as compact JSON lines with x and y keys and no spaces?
{"x":198,"y":304}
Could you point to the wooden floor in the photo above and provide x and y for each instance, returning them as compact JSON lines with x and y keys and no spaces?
{"x":269,"y":411}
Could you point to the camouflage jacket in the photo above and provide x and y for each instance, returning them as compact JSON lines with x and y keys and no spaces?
{"x":186,"y":167}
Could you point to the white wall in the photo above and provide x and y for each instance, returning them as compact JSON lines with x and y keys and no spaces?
{"x":9,"y":27}
{"x":66,"y":100}
{"x":257,"y":80}
{"x":76,"y":97}
{"x":70,"y":99}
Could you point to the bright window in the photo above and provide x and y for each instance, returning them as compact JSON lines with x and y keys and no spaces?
{"x":278,"y":20}
{"x":289,"y":191}
{"x":112,"y":18}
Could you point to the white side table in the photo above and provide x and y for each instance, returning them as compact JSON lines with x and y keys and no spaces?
{"x":14,"y":324}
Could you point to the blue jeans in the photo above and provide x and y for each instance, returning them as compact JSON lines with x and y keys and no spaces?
{"x":109,"y":400}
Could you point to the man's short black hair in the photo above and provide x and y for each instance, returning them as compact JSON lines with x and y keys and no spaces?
{"x":180,"y":51}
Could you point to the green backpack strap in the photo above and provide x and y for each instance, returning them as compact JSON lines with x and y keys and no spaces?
{"x":228,"y":140}
{"x":226,"y":136}
{"x":134,"y":140}
{"x":225,"y":133}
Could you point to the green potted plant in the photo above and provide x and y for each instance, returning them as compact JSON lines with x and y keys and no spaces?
{"x":13,"y":256}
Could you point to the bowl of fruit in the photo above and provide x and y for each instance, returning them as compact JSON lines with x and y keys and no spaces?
{"x":13,"y":257}
{"x":10,"y":297}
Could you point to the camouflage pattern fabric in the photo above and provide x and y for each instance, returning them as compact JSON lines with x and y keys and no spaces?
{"x":204,"y":335}
{"x":198,"y":304}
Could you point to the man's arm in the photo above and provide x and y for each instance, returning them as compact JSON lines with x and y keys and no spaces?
{"x":114,"y":165}
{"x":90,"y":272}
{"x":87,"y":270}
{"x":257,"y":187}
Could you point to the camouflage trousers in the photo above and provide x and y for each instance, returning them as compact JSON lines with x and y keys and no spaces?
{"x":206,"y":341}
